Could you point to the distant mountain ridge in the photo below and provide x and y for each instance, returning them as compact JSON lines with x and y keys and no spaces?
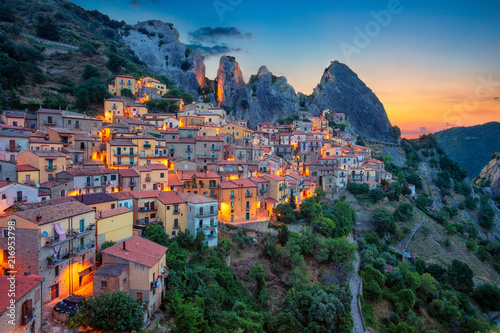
{"x":471,"y":147}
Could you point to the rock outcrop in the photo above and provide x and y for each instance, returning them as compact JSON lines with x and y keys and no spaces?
{"x":265,"y":97}
{"x":490,"y":175}
{"x":157,"y":44}
{"x":341,"y":90}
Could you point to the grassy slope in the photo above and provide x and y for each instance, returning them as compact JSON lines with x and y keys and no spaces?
{"x":76,"y":26}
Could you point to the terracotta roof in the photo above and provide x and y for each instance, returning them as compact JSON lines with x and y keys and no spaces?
{"x":61,"y":130}
{"x":145,"y":194}
{"x":170,"y":198}
{"x":112,"y":212}
{"x":244,"y":182}
{"x":45,"y":141}
{"x":173,"y":180}
{"x":225,"y":162}
{"x":139,"y":250}
{"x":271,"y":200}
{"x":128,"y":173}
{"x":209,"y":138}
{"x":52,"y":213}
{"x":228,"y":184}
{"x":91,"y":172}
{"x":259,"y":180}
{"x":121,"y":143}
{"x":274,"y":177}
{"x":23,"y":285}
{"x":111,"y":269}
{"x":132,"y":121}
{"x":47,"y":153}
{"x":195,"y":198}
{"x":122,"y":195}
{"x":26,"y":167}
{"x":54,"y":111}
{"x":85,"y":137}
{"x":94,"y":198}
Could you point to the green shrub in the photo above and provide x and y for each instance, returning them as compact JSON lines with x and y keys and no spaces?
{"x":471,"y":246}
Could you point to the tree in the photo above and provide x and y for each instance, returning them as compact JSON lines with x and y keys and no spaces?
{"x":319,"y":194}
{"x":360,"y":141}
{"x":383,"y":222}
{"x":405,"y":300}
{"x":156,"y":233}
{"x":115,"y":62}
{"x":291,"y":200}
{"x":460,"y":276}
{"x":47,"y":29}
{"x":283,"y":235}
{"x":487,"y":296}
{"x":283,"y":213}
{"x":109,"y":312}
{"x":376,"y":195}
{"x":486,"y":215}
{"x":324,"y":225}
{"x":127,"y":93}
{"x":310,"y":208}
{"x":90,"y":71}
{"x":185,"y":65}
{"x":257,"y":275}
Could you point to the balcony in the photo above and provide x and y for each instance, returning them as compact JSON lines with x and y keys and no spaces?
{"x":248,"y":195}
{"x":51,"y":167}
{"x":147,"y":209}
{"x":213,"y":196}
{"x":71,"y":255}
{"x":232,"y":197}
{"x":189,"y":150}
{"x":207,"y":226}
{"x":13,"y":149}
{"x":77,"y":126}
{"x":67,"y":142}
{"x":125,"y":154}
{"x":148,"y":179}
{"x":206,"y":214}
{"x":144,"y":222}
{"x":207,"y":156}
{"x":171,"y":150}
{"x":211,"y":236}
{"x":176,"y":212}
{"x":147,"y":146}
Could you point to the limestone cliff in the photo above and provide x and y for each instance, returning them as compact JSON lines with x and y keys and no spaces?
{"x":265,"y":97}
{"x":157,"y":44}
{"x":341,"y":90}
{"x":490,"y":175}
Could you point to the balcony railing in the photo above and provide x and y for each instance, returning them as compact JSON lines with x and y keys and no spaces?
{"x":148,"y":179}
{"x":13,"y":149}
{"x":147,"y":209}
{"x":211,"y":236}
{"x":144,"y":222}
{"x":21,"y":199}
{"x":216,"y":148}
{"x":147,"y":146}
{"x":248,"y":195}
{"x":207,"y":226}
{"x":189,"y":150}
{"x":213,"y":196}
{"x":207,"y":156}
{"x":125,"y":154}
{"x":206,"y":214}
{"x":51,"y":167}
{"x":69,"y":142}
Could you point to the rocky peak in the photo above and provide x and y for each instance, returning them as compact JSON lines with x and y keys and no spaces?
{"x":157,"y":44}
{"x":489,"y":178}
{"x":340,"y":89}
{"x":262,"y":71}
{"x":230,"y":82}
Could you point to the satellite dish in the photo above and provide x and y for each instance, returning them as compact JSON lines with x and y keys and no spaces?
{"x":37,"y":185}
{"x":45,"y":234}
{"x":71,"y":161}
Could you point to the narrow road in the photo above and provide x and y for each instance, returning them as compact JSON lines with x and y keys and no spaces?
{"x":355,"y":286}
{"x":401,"y":247}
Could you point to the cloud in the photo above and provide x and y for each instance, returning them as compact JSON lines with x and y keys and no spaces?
{"x":209,"y":34}
{"x":214,"y":50}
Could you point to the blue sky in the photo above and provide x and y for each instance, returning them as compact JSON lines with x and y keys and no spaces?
{"x":425,"y":61}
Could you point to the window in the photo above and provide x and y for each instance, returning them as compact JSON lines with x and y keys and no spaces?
{"x":176,"y":208}
{"x":82,"y":225}
{"x":113,"y":206}
{"x":49,"y":119}
{"x":162,"y":175}
{"x":69,"y":121}
{"x":104,"y":284}
{"x":232,"y":194}
{"x":249,"y":192}
{"x":168,"y":207}
{"x":5,"y":255}
{"x":27,"y":311}
{"x":173,"y":233}
{"x":56,"y":272}
{"x":50,"y":176}
{"x":139,"y":297}
{"x":176,"y":223}
{"x":232,"y":204}
{"x":248,"y":204}
{"x":113,"y":177}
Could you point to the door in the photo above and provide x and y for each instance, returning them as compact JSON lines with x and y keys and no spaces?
{"x":12,"y":145}
{"x":54,"y":291}
{"x":28,"y":179}
{"x":19,"y":196}
{"x":248,"y":216}
{"x":118,"y":151}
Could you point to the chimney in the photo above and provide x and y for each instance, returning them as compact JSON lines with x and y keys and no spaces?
{"x":27,"y":273}
{"x":124,"y":246}
{"x":38,"y":217}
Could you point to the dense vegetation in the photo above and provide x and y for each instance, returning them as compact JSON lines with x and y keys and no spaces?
{"x":34,"y":72}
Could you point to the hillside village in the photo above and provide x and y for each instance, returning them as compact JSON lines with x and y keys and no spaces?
{"x":70,"y":182}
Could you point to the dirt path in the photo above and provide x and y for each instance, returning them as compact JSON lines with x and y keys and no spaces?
{"x":355,"y":286}
{"x":401,"y":246}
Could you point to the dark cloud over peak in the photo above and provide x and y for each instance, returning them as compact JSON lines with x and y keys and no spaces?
{"x":209,"y":34}
{"x":214,"y":50}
